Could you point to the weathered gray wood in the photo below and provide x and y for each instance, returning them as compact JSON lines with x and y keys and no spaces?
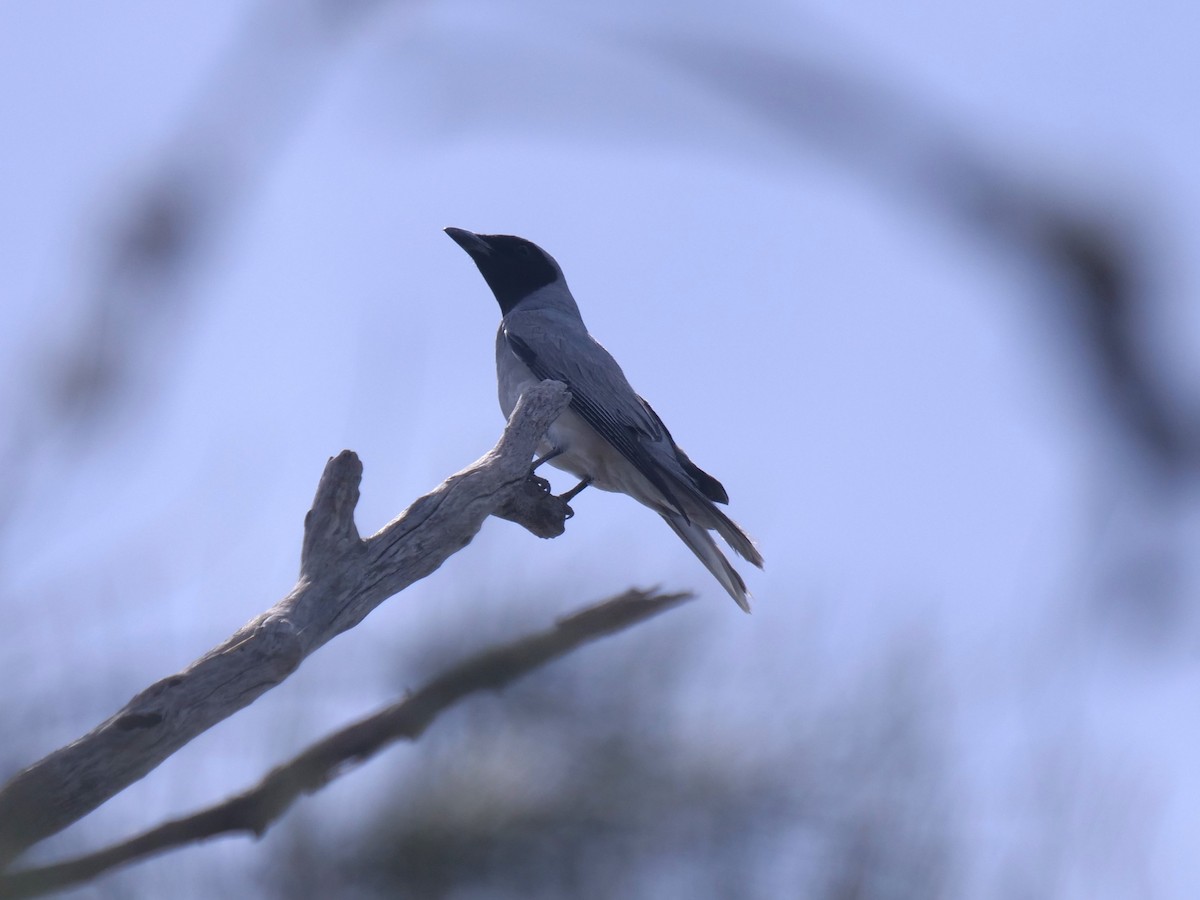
{"x":255,"y":810}
{"x":342,"y":578}
{"x":533,"y":506}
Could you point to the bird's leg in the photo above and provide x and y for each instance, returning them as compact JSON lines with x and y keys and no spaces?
{"x":574,"y":492}
{"x":538,"y":479}
{"x":557,"y":451}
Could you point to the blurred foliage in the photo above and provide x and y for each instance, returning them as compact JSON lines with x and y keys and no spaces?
{"x":590,"y":782}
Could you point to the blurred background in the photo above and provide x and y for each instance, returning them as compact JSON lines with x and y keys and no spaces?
{"x":916,"y":282}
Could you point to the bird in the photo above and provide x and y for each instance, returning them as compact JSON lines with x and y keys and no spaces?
{"x":608,"y":437}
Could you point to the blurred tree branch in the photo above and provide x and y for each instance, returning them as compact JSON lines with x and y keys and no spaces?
{"x":185,"y":202}
{"x":342,"y":579}
{"x":168,"y":221}
{"x":1082,"y":259}
{"x":255,"y":810}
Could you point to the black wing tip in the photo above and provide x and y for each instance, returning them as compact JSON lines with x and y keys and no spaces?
{"x":708,"y":486}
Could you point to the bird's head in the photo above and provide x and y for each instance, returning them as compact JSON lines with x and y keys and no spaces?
{"x":513,"y":267}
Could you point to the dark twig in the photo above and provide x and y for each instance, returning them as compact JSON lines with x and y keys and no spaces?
{"x":255,"y":810}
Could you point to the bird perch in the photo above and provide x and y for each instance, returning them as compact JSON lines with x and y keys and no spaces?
{"x":342,"y":579}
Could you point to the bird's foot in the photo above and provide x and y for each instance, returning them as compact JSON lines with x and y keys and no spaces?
{"x":538,"y":481}
{"x":570,"y":495}
{"x":532,"y":506}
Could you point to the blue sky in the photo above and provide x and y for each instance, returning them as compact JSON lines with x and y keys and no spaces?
{"x":904,"y":430}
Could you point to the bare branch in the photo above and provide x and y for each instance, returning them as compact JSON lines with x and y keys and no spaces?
{"x":534,"y":507}
{"x":255,"y":810}
{"x":342,"y":578}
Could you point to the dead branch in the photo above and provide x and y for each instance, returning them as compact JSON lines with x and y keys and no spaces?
{"x":342,"y":578}
{"x":255,"y":810}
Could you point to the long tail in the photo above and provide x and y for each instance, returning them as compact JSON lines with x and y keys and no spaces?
{"x":734,"y":536}
{"x":701,"y":493}
{"x":700,"y":542}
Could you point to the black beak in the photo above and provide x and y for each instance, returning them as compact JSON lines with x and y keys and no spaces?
{"x":470,"y":241}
